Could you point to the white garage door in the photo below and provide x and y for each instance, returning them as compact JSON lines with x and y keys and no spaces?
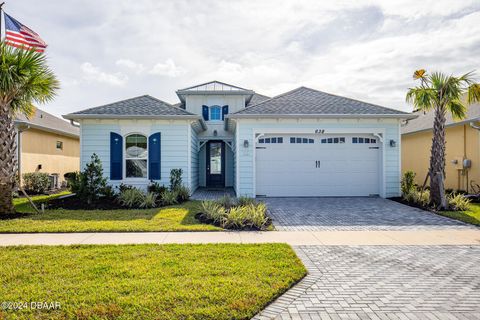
{"x":314,"y":165}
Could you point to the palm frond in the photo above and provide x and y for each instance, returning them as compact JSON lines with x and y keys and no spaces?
{"x":422,"y":98}
{"x":457,"y":109}
{"x":473,"y":94}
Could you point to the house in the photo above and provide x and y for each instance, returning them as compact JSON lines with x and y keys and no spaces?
{"x":47,"y":144}
{"x":300,"y":143}
{"x":462,"y":148}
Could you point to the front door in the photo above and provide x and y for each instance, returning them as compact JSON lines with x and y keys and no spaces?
{"x":216,"y":164}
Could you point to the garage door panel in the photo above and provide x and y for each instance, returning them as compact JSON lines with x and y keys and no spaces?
{"x":318,"y":169}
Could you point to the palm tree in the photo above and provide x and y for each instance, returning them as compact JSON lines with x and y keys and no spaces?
{"x":444,"y":94}
{"x":24,"y":78}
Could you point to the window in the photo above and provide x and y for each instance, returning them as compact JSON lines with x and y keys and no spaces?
{"x":215,"y":113}
{"x":271,"y":140}
{"x":60,"y":145}
{"x":301,"y":140}
{"x":363,"y":140}
{"x":334,"y":140}
{"x":136,"y":155}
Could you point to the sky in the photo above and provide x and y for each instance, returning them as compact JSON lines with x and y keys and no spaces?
{"x":108,"y":50}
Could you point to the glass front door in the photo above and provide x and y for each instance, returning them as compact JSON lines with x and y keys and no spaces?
{"x":215,"y":164}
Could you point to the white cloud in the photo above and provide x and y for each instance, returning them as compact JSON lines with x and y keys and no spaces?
{"x":168,"y":68}
{"x":130,"y":64}
{"x":94,"y":74}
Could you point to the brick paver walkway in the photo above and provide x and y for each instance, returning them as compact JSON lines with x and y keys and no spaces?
{"x":384,"y":282}
{"x":320,"y":214}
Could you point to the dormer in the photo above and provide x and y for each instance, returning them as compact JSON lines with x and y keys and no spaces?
{"x":213,"y":100}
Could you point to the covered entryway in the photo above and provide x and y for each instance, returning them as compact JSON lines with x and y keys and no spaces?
{"x":306,"y":165}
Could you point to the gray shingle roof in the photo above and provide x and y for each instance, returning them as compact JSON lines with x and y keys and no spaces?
{"x":43,"y":120}
{"x":306,"y":101}
{"x":139,"y":106}
{"x":257,"y":98}
{"x":425,"y":120}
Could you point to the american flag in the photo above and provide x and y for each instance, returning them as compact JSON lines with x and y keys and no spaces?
{"x":20,"y":36}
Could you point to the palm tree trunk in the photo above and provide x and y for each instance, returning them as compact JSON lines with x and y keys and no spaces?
{"x":437,"y":159}
{"x":8,"y":161}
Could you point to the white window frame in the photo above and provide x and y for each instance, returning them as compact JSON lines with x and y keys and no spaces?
{"x":211,"y":108}
{"x":125,"y":158}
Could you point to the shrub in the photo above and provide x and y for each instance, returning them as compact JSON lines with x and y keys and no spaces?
{"x":237,"y":218}
{"x":169,"y":198}
{"x":458,"y":202}
{"x":156,"y":188}
{"x":90,"y":184}
{"x":257,"y":215}
{"x":175,"y":179}
{"x":418,"y":197}
{"x":149,"y":200}
{"x":226,"y":201}
{"x":213,"y":211}
{"x":131,"y":197}
{"x":36,"y":182}
{"x":183,"y":194}
{"x":244,"y":201}
{"x":408,"y":182}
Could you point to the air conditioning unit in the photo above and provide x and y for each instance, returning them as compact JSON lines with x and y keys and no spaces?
{"x":53,"y":181}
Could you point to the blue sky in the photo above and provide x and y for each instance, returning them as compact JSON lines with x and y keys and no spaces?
{"x":104,"y":51}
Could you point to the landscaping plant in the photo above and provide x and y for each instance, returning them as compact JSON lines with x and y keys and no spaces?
{"x":183,"y":194}
{"x":444,"y":94}
{"x":408,"y":182}
{"x":131,"y":197}
{"x":169,"y":197}
{"x":175,"y":179}
{"x":36,"y":182}
{"x":458,"y":202}
{"x":24,"y":79}
{"x":149,"y":200}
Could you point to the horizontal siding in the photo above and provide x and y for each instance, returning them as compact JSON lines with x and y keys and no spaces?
{"x":174,"y":146}
{"x":194,"y":159}
{"x":246,"y":160}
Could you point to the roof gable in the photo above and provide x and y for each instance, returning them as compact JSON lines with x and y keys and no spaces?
{"x":307,"y":101}
{"x":142,"y":106}
{"x":213,"y":86}
{"x":43,"y":120}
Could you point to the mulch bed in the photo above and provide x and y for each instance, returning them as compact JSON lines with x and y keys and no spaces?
{"x":74,"y":203}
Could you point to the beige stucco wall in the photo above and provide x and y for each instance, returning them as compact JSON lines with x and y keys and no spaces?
{"x":39,"y":147}
{"x":462,"y":141}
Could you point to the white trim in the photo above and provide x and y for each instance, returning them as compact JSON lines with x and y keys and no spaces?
{"x":124,"y":153}
{"x":81,"y":149}
{"x":189,"y":157}
{"x":254,"y":173}
{"x":237,"y":160}
{"x":319,"y":115}
{"x":373,"y":131}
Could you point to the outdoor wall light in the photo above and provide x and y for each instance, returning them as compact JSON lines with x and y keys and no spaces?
{"x":245,"y":143}
{"x":215,"y":133}
{"x":393,"y":143}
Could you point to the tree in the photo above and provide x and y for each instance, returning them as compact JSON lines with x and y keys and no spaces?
{"x":92,"y":181}
{"x":24,"y":78}
{"x":443,"y":94}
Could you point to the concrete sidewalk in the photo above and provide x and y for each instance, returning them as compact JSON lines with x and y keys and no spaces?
{"x":417,"y":237}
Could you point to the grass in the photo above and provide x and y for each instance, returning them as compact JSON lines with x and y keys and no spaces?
{"x":471,"y":216}
{"x":23,"y":205}
{"x":214,"y":281}
{"x":173,"y":218}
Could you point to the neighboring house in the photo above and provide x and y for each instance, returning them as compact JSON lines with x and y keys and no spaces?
{"x":301,"y":143}
{"x":462,"y":143}
{"x":47,"y":144}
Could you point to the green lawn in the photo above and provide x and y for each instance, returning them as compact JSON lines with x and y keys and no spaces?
{"x":471,"y":216}
{"x":214,"y":281}
{"x":173,"y":218}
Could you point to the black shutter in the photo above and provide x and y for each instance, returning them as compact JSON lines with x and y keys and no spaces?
{"x":224,"y":112}
{"x":205,"y":112}
{"x":154,"y":157}
{"x":116,"y":156}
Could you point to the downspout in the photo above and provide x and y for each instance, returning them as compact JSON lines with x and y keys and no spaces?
{"x":476,"y":127}
{"x":73,"y":123}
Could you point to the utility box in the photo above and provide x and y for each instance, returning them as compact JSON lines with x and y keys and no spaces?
{"x":467,"y":163}
{"x":457,"y":163}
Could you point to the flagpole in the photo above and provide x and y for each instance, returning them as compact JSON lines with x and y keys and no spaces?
{"x":1,"y":5}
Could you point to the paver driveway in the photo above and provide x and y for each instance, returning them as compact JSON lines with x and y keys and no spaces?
{"x":384,"y":282}
{"x":318,"y":214}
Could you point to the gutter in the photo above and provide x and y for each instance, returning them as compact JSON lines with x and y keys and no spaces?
{"x":474,"y":126}
{"x":47,"y":129}
{"x":73,"y":116}
{"x":469,"y":121}
{"x":350,"y":116}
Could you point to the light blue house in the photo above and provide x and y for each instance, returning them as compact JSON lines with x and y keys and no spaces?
{"x":301,"y":143}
